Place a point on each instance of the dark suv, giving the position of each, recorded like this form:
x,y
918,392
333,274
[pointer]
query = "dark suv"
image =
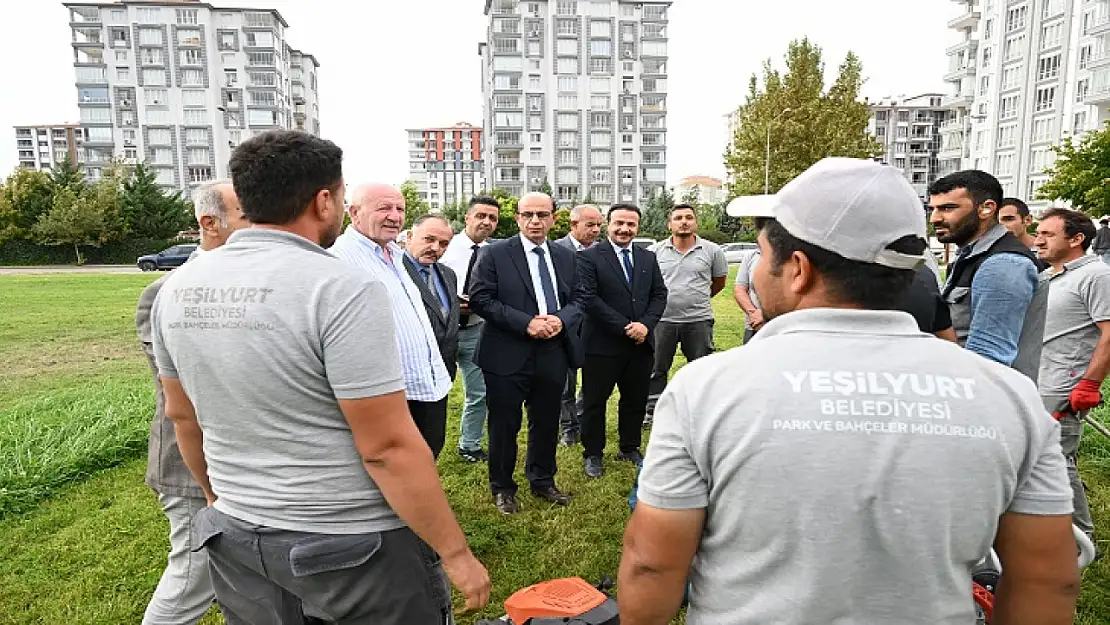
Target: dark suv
x,y
166,259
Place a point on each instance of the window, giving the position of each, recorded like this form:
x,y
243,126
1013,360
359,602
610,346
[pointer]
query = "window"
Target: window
x,y
1082,88
508,64
566,27
191,57
1046,99
159,136
261,58
601,47
1048,67
118,15
506,138
601,158
228,58
568,157
599,101
1004,165
1015,18
121,56
148,15
601,29
162,156
503,101
192,78
165,177
187,16
1015,48
1086,53
601,65
535,137
188,37
535,154
227,40
1042,129
1007,107
156,97
987,52
506,81
654,48
154,77
1041,159
200,174
567,66
195,117
128,136
988,30
655,31
601,140
258,117
568,83
261,79
655,84
196,156
655,12
567,120
568,101
512,120
151,56
99,135
567,47
1010,77
158,116
1052,8
123,74
506,26
601,120
568,139
566,7
1007,135
1079,123
1051,34
534,83
260,40
984,85
150,36
231,77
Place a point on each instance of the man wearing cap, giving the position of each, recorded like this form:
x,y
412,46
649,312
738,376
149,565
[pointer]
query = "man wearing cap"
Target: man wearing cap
x,y
694,270
1102,240
807,477
993,292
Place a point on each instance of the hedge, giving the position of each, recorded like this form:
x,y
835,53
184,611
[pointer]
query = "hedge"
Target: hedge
x,y
22,252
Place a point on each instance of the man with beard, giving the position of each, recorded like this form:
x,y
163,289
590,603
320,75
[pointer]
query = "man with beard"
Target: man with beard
x,y
369,243
694,270
624,298
786,479
1076,355
995,297
282,377
585,224
481,221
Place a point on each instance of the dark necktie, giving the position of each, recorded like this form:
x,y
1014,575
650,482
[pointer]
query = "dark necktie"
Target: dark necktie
x,y
627,255
545,282
430,280
470,268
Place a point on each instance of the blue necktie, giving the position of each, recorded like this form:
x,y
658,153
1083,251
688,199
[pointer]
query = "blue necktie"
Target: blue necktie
x,y
627,254
545,282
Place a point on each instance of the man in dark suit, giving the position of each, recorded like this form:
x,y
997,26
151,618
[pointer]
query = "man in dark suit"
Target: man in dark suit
x,y
624,297
437,283
585,225
527,292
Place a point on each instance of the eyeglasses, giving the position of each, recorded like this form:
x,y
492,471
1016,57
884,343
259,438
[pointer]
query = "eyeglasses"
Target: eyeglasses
x,y
531,216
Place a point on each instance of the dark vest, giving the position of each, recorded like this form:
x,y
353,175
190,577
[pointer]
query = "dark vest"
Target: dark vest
x,y
957,292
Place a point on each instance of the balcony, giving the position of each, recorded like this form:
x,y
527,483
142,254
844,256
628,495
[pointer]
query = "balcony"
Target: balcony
x,y
954,124
1099,59
968,44
951,153
84,16
960,72
967,21
88,37
1099,94
1100,25
963,100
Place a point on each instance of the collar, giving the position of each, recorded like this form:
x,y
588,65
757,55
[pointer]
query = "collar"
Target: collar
x,y
1085,259
529,246
578,245
618,248
669,242
464,237
394,249
842,321
253,236
417,262
989,238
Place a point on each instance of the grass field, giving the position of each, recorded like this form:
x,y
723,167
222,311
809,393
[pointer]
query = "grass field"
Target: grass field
x,y
82,540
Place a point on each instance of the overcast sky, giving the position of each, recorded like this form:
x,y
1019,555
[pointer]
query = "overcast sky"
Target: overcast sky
x,y
387,65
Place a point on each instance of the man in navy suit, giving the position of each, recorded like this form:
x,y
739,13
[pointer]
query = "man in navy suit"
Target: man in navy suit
x,y
527,292
625,297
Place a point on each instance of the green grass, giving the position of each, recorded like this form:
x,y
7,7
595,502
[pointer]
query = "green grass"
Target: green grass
x,y
92,552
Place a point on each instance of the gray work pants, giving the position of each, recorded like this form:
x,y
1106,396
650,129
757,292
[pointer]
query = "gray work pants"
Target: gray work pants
x,y
696,339
1071,430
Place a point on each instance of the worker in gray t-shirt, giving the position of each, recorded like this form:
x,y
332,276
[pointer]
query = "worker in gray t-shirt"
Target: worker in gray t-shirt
x,y
745,295
1076,354
845,467
281,373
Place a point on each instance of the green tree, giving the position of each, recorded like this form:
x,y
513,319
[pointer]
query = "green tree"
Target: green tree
x,y
146,211
415,205
73,220
66,175
562,224
25,196
1081,174
545,187
806,121
506,221
455,214
654,221
693,196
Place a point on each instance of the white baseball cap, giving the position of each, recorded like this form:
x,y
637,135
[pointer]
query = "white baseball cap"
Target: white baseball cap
x,y
751,206
854,208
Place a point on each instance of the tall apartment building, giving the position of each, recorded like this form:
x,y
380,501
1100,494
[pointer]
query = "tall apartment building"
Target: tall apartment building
x,y
43,147
909,131
576,94
178,84
1026,75
446,163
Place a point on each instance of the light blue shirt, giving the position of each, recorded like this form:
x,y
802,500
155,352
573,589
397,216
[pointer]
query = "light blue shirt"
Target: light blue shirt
x,y
425,374
546,308
1000,296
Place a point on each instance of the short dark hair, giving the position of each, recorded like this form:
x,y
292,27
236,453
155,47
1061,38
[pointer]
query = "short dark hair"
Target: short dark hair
x,y
1075,223
483,200
277,173
1022,207
426,216
632,208
682,207
871,286
980,185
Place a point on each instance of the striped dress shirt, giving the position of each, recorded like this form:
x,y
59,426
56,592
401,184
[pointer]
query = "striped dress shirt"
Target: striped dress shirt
x,y
426,377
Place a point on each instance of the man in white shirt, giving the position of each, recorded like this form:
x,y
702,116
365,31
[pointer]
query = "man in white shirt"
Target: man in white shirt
x,y
370,243
481,221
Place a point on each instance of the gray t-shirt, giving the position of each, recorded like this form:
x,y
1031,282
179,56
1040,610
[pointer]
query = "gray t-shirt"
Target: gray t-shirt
x,y
744,275
265,334
1078,298
852,468
689,278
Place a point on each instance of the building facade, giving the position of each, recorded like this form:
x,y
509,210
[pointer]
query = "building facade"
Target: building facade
x,y
178,85
446,163
1025,76
576,97
909,131
44,147
710,190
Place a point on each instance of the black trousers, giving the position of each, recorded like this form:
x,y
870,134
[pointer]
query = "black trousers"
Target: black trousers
x,y
539,384
570,418
431,420
630,372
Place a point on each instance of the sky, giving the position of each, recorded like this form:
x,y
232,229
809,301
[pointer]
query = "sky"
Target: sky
x,y
388,65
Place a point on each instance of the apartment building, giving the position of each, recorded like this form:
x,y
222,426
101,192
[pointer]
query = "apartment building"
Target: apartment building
x,y
909,130
446,163
710,190
1025,75
43,147
576,95
179,84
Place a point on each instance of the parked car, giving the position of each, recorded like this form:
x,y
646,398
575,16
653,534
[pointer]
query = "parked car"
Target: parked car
x,y
166,259
644,242
735,252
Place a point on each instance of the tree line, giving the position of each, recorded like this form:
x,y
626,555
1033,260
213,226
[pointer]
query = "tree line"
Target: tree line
x,y
125,209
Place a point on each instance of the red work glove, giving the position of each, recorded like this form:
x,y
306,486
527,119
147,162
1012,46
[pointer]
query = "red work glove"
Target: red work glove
x,y
1085,396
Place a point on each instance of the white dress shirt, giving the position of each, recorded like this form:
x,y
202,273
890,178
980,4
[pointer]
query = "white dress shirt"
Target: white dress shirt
x,y
457,257
546,308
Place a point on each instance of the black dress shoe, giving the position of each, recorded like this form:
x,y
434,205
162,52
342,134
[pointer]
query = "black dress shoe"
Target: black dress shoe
x,y
633,456
551,494
594,468
506,503
476,455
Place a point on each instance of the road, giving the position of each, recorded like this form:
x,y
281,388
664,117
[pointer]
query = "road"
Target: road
x,y
38,269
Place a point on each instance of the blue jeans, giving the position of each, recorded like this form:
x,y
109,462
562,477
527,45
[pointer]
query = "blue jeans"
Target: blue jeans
x,y
474,408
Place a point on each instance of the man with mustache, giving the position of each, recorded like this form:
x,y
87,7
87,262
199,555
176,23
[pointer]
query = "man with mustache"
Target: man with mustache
x,y
481,221
370,243
996,299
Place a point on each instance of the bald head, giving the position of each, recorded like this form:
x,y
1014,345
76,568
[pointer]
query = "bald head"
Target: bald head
x,y
585,223
378,212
